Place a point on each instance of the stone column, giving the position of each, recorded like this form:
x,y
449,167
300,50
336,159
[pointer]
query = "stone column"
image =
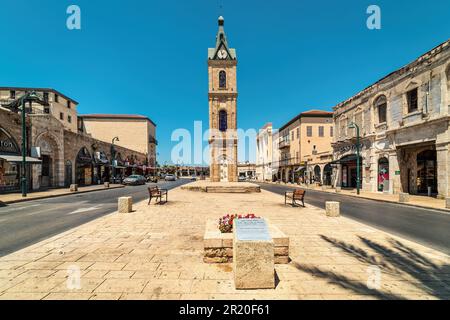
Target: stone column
x,y
394,180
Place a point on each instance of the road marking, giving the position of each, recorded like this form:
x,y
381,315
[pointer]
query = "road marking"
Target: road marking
x,y
19,208
84,210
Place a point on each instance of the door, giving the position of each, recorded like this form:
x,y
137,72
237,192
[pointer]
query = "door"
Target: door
x,y
427,171
224,170
46,171
68,174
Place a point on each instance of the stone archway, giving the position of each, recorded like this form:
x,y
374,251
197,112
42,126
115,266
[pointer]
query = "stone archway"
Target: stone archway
x,y
50,174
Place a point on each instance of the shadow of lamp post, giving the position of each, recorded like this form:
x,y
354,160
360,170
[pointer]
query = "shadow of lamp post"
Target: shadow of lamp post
x,y
358,173
30,97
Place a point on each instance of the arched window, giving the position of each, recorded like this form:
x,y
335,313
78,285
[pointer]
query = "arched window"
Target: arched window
x,y
222,79
381,106
223,121
383,173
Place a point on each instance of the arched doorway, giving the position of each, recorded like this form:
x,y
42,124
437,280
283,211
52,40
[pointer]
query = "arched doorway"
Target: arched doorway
x,y
427,171
223,169
52,165
317,174
383,174
327,174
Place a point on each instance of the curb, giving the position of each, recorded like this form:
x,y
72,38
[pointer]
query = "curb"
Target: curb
x,y
442,210
56,195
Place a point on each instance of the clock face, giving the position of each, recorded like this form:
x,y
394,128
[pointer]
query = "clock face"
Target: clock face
x,y
222,54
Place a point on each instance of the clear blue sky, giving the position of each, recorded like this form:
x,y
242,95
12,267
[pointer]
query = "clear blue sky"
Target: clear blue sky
x,y
149,57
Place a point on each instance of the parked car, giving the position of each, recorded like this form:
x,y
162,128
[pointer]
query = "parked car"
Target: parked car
x,y
242,179
152,179
135,180
170,177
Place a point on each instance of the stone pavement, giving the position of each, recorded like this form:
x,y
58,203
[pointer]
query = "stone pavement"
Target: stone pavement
x,y
51,193
156,252
419,201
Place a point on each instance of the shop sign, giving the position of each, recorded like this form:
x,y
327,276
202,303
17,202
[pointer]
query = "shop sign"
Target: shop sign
x,y
7,144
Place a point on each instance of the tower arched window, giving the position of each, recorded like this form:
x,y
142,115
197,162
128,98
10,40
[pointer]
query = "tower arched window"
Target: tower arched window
x,y
381,106
222,79
223,121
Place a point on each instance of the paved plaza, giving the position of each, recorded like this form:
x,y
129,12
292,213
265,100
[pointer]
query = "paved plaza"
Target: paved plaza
x,y
156,252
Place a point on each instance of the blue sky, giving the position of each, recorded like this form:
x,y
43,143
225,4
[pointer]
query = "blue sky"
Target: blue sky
x,y
149,57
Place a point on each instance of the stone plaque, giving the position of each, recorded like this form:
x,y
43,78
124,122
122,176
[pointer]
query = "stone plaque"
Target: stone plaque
x,y
252,230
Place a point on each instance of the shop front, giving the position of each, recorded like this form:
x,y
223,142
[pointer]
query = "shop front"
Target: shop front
x,y
83,168
11,163
102,166
347,166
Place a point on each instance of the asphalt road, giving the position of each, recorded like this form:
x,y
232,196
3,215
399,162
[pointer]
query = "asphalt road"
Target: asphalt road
x,y
23,224
426,226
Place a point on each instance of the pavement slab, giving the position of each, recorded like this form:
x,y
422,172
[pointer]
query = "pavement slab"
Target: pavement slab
x,y
156,252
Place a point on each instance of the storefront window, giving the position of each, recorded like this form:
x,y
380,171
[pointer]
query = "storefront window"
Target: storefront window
x,y
9,176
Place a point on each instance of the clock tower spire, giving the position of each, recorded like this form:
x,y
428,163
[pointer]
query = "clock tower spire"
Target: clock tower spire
x,y
222,65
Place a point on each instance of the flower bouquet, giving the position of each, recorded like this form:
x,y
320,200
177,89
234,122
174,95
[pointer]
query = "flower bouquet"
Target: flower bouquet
x,y
226,223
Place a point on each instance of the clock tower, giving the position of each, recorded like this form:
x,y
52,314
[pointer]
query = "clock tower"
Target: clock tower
x,y
222,63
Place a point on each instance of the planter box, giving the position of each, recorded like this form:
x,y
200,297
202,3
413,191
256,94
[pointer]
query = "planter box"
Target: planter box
x,y
219,246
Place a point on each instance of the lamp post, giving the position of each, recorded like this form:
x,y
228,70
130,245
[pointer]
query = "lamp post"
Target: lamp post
x,y
358,180
27,97
114,158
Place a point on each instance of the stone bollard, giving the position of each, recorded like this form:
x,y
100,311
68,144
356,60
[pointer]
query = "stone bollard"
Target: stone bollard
x,y
125,204
73,188
338,189
333,209
447,203
403,197
106,185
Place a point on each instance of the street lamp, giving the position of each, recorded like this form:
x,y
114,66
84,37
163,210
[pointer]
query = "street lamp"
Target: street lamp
x,y
27,97
358,181
114,157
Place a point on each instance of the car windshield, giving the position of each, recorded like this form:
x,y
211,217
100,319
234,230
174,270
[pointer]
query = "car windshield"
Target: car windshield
x,y
133,177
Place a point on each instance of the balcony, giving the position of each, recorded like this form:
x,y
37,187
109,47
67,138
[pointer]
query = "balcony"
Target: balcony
x,y
284,143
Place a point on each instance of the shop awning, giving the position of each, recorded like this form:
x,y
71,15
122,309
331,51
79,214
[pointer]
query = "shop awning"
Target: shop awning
x,y
346,159
299,169
17,159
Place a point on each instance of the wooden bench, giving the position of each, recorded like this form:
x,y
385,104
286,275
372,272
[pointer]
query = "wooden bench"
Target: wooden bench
x,y
297,195
155,192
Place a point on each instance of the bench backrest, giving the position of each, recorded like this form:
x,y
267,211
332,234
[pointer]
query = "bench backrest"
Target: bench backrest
x,y
152,190
299,193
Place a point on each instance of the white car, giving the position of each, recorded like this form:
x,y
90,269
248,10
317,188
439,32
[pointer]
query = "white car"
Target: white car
x,y
170,177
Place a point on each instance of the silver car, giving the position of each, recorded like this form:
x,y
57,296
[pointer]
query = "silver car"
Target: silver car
x,y
170,177
135,180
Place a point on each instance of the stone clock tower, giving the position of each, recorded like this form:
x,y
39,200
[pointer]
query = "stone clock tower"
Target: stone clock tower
x,y
223,94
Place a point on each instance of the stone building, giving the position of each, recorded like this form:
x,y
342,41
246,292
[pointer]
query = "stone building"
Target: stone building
x,y
134,132
264,153
247,170
404,129
61,107
55,153
222,64
305,147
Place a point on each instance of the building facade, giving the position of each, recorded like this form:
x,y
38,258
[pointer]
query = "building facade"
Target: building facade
x,y
403,121
134,132
305,147
264,153
222,64
61,107
57,156
247,170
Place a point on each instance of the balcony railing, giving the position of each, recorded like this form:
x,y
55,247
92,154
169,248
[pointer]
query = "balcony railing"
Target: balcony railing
x,y
284,143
